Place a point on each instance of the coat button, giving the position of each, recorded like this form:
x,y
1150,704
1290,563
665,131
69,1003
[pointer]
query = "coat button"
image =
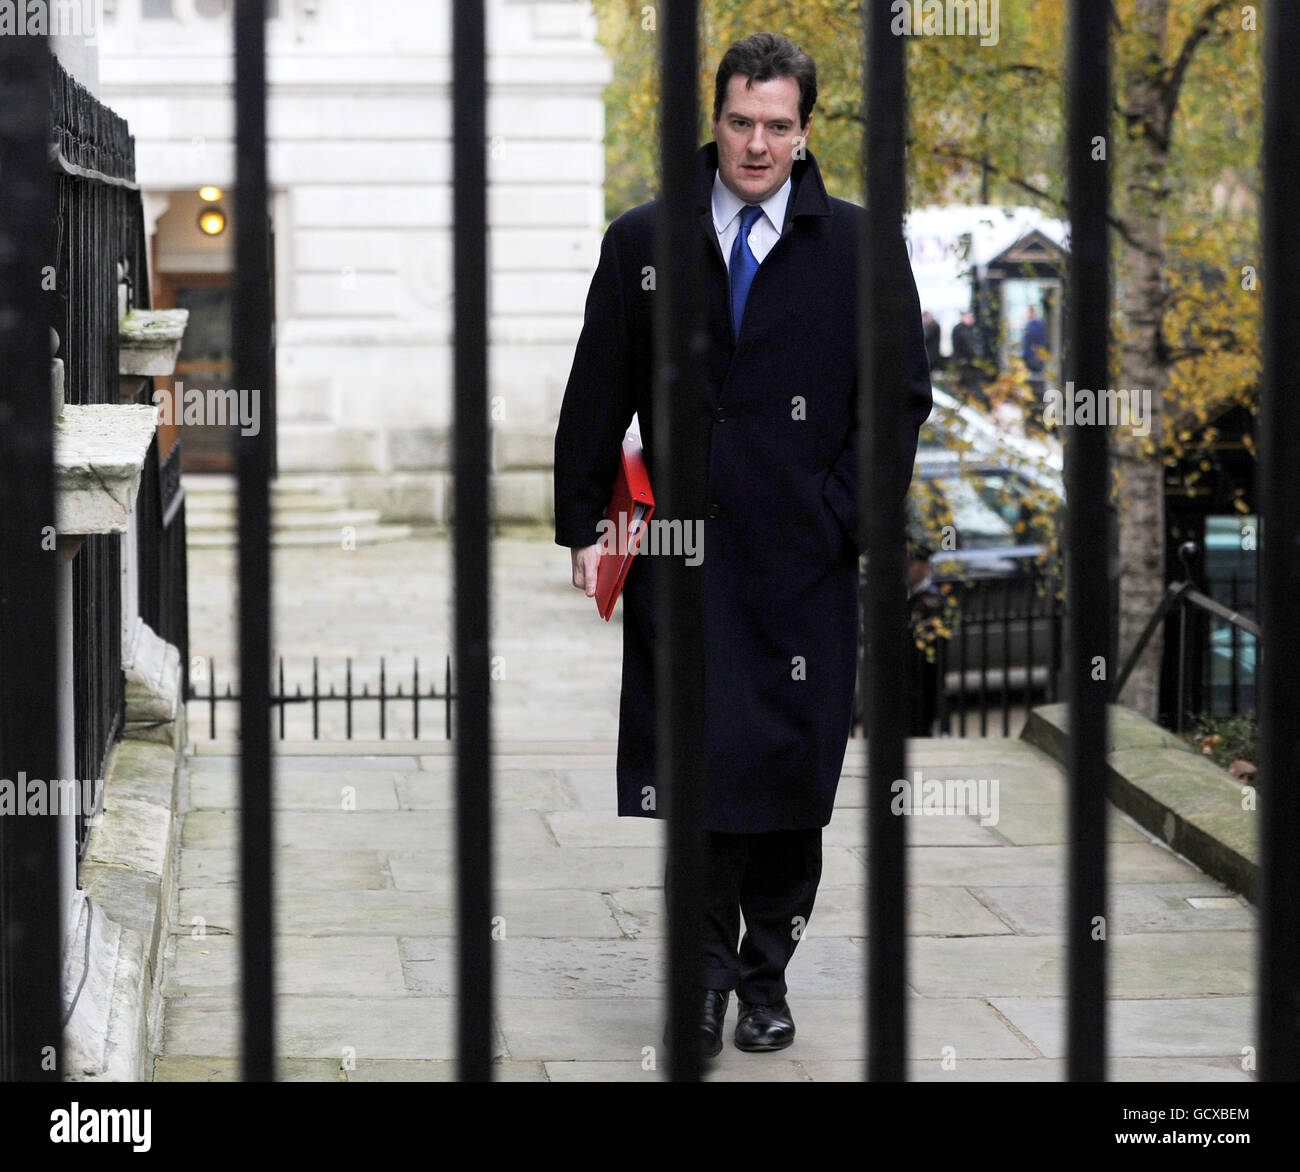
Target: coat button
x,y
719,414
714,509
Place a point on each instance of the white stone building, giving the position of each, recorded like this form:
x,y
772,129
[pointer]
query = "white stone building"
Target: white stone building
x,y
360,168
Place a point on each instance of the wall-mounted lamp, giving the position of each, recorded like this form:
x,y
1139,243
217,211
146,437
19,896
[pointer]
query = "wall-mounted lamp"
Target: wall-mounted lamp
x,y
209,194
212,221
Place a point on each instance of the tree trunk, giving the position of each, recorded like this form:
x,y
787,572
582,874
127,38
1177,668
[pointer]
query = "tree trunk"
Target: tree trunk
x,y
1140,197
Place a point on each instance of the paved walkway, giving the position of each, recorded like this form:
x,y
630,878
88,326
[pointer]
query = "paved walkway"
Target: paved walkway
x,y
366,905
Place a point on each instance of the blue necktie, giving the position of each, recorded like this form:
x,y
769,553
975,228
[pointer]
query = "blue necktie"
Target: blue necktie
x,y
743,265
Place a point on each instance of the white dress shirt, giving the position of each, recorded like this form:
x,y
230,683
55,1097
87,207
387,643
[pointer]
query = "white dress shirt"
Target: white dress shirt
x,y
727,206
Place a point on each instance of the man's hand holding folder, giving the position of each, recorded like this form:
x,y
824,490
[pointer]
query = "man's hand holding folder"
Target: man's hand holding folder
x,y
601,569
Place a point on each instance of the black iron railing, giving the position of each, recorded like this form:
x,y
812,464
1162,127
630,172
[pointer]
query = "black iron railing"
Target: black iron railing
x,y
1197,653
98,245
387,700
160,552
1004,654
984,652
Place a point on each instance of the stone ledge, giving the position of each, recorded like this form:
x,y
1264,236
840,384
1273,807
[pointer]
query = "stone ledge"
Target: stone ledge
x,y
1170,790
149,340
129,874
99,452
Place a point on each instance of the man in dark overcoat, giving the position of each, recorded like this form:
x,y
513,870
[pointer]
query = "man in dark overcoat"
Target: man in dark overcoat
x,y
775,397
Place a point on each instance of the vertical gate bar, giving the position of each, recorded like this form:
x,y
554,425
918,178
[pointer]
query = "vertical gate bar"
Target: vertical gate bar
x,y
31,899
1031,591
383,700
985,619
1234,636
315,695
446,701
348,696
1005,589
281,695
1278,683
678,463
415,699
963,626
1088,103
251,343
470,549
881,329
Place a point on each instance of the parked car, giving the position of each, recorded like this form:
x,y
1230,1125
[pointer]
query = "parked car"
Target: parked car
x,y
987,522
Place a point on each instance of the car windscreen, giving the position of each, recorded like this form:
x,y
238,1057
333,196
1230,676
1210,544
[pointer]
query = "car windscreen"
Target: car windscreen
x,y
971,510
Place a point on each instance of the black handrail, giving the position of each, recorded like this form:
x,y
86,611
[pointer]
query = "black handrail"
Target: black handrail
x,y
1182,595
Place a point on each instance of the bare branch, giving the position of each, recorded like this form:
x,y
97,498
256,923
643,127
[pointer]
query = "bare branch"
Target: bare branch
x,y
1203,28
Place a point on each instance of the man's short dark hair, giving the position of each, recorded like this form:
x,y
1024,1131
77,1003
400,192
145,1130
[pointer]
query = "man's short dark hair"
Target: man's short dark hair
x,y
765,56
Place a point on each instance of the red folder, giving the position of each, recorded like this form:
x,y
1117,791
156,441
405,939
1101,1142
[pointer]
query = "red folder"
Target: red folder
x,y
631,505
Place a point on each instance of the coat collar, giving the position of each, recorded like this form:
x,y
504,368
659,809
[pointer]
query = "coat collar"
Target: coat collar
x,y
808,197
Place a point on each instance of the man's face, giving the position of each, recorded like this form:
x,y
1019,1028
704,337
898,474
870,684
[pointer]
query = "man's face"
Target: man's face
x,y
757,132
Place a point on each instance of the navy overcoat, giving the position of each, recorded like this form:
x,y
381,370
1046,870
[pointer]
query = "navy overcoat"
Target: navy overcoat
x,y
777,413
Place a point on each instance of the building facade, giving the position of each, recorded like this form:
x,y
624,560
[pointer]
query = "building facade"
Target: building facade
x,y
360,166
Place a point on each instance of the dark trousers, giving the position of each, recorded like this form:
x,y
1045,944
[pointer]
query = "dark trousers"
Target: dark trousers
x,y
771,879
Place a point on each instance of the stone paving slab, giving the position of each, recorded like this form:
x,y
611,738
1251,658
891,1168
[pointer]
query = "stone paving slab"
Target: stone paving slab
x,y
1037,866
1040,911
1157,1028
294,868
614,1029
326,965
1178,964
343,830
191,1069
410,1028
841,911
389,912
1170,1070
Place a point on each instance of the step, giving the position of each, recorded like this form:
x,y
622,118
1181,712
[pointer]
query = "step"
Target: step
x,y
365,535
200,520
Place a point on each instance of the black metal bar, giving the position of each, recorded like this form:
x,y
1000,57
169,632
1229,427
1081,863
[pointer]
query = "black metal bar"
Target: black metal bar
x,y
383,700
1234,650
315,696
31,895
251,347
1278,681
415,700
212,699
1182,669
348,697
1031,593
881,332
280,684
983,596
470,549
1088,103
1056,612
678,475
1006,589
962,627
447,697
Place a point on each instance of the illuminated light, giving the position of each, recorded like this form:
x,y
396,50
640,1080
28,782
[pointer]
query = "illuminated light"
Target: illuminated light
x,y
210,194
212,221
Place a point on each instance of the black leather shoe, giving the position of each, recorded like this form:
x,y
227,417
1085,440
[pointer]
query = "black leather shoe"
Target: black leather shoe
x,y
715,1012
764,1027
